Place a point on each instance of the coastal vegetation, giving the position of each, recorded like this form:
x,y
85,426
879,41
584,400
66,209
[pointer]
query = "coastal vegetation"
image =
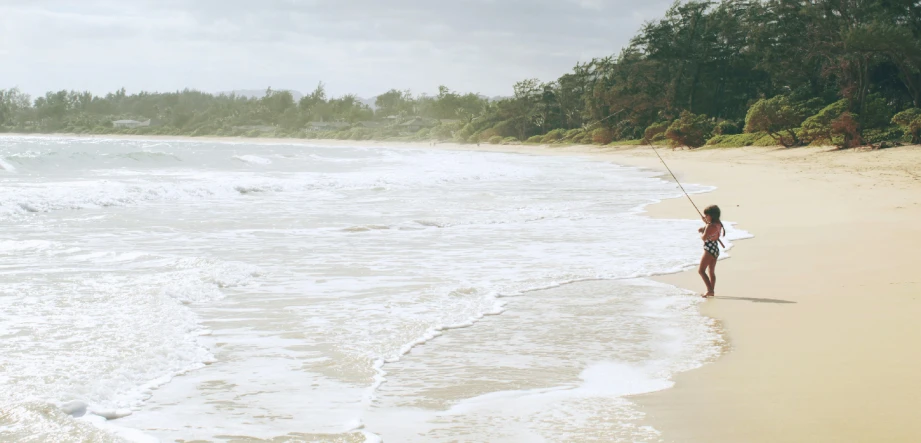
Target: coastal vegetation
x,y
730,73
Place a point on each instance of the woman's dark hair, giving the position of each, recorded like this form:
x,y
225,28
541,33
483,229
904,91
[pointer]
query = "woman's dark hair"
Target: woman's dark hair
x,y
714,212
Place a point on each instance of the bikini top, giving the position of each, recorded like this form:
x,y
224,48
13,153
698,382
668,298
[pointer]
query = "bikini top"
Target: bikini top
x,y
717,236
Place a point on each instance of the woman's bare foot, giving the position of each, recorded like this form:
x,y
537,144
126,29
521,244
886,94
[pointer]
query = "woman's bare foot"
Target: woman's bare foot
x,y
709,294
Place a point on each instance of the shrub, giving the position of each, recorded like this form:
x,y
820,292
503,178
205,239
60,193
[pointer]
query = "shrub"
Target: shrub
x,y
587,139
357,134
574,134
422,134
475,138
495,140
778,116
602,136
878,136
654,131
818,128
726,127
442,132
739,140
689,130
876,113
463,135
488,134
623,129
535,139
253,133
910,122
505,129
553,136
511,141
846,130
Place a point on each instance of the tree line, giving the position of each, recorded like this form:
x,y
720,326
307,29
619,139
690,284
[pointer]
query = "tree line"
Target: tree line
x,y
735,72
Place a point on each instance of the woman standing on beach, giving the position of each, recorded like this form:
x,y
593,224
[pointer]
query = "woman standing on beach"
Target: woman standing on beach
x,y
710,234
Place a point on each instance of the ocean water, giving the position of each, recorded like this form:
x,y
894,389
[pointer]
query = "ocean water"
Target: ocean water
x,y
180,291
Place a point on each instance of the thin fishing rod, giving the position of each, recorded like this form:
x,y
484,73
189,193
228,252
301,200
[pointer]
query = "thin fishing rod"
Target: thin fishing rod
x,y
676,180
682,188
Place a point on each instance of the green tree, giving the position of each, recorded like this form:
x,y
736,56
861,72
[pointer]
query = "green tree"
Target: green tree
x,y
314,102
278,101
819,127
14,107
778,116
395,103
910,121
654,132
714,58
689,130
602,136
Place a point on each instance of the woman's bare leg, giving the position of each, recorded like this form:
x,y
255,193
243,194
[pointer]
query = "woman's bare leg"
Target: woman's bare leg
x,y
702,270
713,275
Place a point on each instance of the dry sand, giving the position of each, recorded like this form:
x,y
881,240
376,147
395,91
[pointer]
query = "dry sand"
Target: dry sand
x,y
822,309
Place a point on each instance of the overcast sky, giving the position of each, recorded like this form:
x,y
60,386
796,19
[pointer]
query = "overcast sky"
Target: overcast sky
x,y
354,46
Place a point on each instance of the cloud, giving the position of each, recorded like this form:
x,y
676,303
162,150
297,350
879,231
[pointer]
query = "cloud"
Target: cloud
x,y
361,46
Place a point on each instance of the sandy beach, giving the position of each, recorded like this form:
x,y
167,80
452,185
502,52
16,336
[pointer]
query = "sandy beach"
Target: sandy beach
x,y
820,309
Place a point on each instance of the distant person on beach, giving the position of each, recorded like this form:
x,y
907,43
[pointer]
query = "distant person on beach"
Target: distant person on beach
x,y
710,234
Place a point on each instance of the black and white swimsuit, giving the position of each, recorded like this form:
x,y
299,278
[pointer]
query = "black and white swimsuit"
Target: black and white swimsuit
x,y
713,248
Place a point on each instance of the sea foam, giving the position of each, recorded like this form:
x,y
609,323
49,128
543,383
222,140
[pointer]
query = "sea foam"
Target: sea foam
x,y
396,294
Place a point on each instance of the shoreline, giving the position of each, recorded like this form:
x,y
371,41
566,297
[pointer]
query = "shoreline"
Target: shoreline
x,y
817,354
820,308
